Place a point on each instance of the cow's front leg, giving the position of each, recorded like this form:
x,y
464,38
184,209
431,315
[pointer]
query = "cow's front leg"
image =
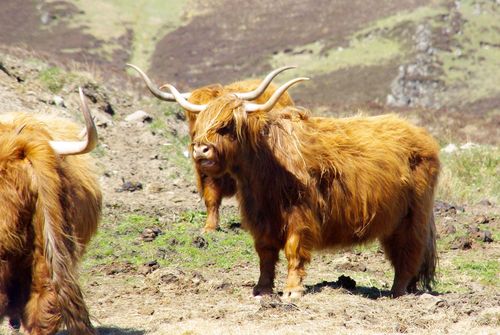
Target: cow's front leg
x,y
5,274
268,256
302,235
297,257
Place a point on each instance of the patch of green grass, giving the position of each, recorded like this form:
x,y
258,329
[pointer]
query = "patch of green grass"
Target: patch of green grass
x,y
455,274
180,243
53,78
176,144
149,21
417,15
360,52
483,270
472,67
470,175
375,44
457,270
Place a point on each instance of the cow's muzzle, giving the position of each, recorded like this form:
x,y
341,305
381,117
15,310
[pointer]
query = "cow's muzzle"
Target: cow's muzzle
x,y
202,152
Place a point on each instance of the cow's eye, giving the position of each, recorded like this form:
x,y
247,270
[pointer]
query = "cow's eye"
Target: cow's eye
x,y
226,130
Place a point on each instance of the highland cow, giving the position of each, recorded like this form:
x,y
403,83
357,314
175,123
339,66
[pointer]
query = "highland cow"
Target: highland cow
x,y
307,183
50,204
213,189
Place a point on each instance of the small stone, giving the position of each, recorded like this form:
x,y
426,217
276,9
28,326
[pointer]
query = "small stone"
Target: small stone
x,y
129,186
485,236
449,229
157,230
58,101
200,242
45,17
148,267
473,230
468,145
169,278
401,328
154,188
108,109
139,116
102,120
485,202
153,264
481,219
148,235
430,301
450,148
146,310
462,243
223,285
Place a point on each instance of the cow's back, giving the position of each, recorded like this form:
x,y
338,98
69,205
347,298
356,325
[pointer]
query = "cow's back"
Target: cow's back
x,y
81,196
366,173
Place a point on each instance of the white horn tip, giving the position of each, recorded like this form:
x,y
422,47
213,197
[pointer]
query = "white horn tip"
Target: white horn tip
x,y
133,67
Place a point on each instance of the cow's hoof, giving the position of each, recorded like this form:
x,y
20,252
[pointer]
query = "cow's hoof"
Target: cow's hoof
x,y
259,291
15,323
293,294
208,229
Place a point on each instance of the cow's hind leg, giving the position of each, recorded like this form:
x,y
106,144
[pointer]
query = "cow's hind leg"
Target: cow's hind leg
x,y
213,190
41,314
405,248
15,323
213,198
4,301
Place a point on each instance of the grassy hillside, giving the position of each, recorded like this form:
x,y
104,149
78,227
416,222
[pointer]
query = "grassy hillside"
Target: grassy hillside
x,y
146,21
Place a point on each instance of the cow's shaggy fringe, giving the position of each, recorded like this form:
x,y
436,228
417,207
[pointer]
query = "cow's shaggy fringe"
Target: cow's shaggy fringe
x,y
212,189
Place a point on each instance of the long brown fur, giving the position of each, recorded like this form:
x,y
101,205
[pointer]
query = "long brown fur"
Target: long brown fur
x,y
213,190
50,209
307,183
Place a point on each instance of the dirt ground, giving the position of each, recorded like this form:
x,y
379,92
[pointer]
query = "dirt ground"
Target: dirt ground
x,y
127,300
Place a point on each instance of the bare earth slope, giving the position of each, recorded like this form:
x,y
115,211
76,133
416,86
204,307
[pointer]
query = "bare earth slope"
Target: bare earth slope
x,y
439,55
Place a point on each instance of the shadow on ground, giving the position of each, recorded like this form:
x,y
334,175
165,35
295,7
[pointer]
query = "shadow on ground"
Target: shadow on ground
x,y
350,285
112,331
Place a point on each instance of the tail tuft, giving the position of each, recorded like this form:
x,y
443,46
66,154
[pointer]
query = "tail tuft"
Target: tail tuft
x,y
426,276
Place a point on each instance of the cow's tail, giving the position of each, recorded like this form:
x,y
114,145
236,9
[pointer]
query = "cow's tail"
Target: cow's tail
x,y
59,248
427,273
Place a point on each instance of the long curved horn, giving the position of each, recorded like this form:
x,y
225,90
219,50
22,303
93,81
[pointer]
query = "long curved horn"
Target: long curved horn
x,y
251,107
79,147
263,85
194,108
156,91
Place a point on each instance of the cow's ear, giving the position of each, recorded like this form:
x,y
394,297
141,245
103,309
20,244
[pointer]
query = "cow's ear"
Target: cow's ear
x,y
286,149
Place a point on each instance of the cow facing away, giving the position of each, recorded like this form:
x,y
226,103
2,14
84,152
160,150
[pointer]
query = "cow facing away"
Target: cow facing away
x,y
213,189
307,183
50,203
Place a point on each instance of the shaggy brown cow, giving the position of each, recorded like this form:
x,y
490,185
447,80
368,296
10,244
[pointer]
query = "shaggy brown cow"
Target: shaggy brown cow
x,y
50,204
317,183
213,189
